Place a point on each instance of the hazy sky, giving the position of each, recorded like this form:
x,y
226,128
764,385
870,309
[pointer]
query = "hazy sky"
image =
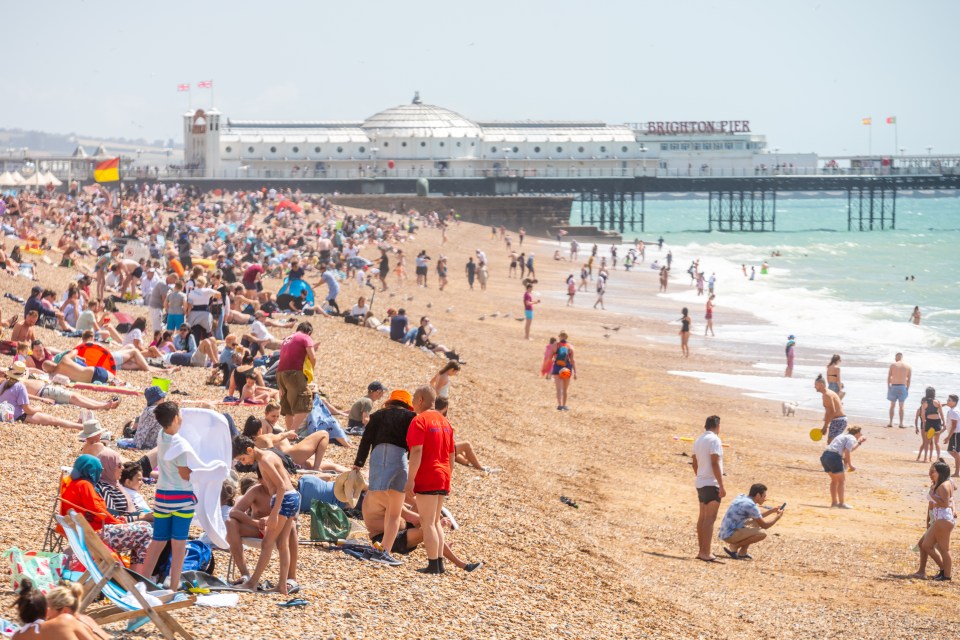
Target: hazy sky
x,y
803,73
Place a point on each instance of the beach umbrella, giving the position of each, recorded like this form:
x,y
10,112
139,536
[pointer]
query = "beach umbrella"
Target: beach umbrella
x,y
34,180
6,180
49,178
287,204
17,178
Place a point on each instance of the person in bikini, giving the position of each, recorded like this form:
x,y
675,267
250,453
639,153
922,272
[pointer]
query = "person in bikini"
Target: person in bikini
x,y
833,376
834,419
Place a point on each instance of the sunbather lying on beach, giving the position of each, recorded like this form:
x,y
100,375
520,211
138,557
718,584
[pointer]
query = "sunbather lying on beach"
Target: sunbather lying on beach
x,y
55,394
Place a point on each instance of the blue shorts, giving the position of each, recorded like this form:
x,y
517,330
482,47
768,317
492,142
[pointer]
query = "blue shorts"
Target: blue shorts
x,y
174,321
837,427
528,314
832,462
897,393
388,468
100,375
290,506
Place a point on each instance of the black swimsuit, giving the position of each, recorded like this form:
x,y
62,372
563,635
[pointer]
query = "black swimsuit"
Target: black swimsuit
x,y
685,325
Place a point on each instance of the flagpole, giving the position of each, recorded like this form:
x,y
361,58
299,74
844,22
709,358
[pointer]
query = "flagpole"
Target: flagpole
x,y
896,136
870,138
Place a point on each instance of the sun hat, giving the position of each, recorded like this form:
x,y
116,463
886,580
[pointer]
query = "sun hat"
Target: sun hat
x,y
791,337
18,371
376,385
153,395
348,486
402,396
91,428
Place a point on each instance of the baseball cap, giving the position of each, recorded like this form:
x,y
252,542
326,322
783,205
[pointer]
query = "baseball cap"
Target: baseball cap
x,y
376,386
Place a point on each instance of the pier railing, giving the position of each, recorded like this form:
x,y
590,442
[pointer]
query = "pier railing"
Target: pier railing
x,y
244,173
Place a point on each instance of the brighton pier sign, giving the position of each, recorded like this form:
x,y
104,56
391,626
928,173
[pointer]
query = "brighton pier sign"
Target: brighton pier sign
x,y
698,126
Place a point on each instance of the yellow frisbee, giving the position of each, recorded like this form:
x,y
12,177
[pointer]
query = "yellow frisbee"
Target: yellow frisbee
x,y
930,433
816,435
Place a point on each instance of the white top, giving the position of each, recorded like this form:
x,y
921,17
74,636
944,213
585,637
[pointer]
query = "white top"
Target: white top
x,y
705,446
845,442
953,415
259,331
133,334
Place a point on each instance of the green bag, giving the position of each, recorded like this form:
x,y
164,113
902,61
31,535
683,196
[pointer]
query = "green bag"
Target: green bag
x,y
328,522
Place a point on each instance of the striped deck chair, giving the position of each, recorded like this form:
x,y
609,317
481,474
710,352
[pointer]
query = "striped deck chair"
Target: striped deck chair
x,y
107,576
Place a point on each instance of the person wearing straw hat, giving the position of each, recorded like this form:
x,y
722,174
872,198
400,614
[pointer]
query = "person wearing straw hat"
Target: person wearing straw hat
x,y
386,435
15,401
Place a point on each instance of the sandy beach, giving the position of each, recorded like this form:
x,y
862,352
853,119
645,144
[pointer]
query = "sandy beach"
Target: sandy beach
x,y
621,565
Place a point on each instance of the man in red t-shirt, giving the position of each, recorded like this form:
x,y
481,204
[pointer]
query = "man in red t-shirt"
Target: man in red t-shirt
x,y
295,399
432,452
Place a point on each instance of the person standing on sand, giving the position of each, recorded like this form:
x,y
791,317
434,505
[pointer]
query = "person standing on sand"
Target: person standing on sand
x,y
952,439
528,303
601,289
709,316
564,368
833,375
685,333
571,290
836,458
790,351
931,412
898,386
834,418
708,468
547,358
941,520
471,272
915,316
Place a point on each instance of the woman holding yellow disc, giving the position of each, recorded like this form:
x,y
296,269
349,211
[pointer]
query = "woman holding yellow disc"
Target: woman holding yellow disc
x,y
930,415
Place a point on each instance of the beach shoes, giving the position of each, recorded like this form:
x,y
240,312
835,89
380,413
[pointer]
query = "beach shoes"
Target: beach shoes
x,y
385,558
473,566
941,578
844,505
744,556
492,470
732,554
567,501
453,521
292,587
559,408
296,602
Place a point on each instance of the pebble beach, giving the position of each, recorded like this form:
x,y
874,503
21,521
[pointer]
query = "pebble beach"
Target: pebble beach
x,y
620,565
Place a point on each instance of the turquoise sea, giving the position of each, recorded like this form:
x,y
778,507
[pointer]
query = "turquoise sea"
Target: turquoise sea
x,y
837,291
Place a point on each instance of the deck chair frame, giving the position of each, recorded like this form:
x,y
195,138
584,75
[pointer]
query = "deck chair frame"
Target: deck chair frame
x,y
52,540
107,576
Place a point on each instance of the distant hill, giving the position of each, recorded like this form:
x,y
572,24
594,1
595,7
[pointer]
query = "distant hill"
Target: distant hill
x,y
65,143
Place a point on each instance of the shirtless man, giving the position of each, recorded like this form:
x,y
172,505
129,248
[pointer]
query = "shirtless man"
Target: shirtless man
x,y
248,519
24,330
55,394
101,268
284,506
80,373
131,270
834,418
898,386
306,453
374,511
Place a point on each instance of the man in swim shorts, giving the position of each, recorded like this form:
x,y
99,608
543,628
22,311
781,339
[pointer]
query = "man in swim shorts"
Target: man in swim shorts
x,y
898,386
834,419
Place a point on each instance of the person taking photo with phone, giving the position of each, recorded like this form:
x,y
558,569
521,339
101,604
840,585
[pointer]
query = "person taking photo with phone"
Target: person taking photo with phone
x,y
745,522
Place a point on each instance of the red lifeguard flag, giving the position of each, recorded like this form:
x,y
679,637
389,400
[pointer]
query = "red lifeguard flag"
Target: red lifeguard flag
x,y
183,87
866,121
205,84
107,171
891,119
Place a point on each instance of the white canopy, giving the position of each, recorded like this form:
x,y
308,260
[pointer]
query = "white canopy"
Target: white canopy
x,y
6,180
34,180
17,178
49,178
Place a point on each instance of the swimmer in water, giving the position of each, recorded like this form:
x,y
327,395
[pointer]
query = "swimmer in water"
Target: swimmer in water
x,y
915,316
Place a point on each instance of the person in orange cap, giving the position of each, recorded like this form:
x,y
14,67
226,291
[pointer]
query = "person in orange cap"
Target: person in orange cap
x,y
386,435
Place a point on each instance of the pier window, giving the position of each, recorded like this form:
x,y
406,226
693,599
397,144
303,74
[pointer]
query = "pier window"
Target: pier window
x,y
580,149
728,145
559,149
697,146
536,149
664,146
316,149
441,143
249,149
674,146
339,149
458,143
296,149
386,144
363,149
623,149
423,144
685,146
603,149
273,149
493,149
228,149
403,144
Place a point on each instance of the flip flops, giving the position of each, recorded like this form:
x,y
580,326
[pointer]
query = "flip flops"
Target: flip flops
x,y
296,602
732,554
567,501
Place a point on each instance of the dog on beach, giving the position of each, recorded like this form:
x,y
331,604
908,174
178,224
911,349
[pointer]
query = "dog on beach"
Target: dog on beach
x,y
789,408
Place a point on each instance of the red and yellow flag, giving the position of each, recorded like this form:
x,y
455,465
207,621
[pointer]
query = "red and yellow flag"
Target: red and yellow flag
x,y
891,119
107,171
866,121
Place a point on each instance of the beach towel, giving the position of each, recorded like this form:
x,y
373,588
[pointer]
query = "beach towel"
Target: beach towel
x,y
205,439
319,419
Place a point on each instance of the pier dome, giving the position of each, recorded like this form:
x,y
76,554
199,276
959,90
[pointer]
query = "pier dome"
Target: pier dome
x,y
418,120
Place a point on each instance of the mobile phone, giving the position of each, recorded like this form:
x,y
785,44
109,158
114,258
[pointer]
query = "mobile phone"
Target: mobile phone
x,y
783,506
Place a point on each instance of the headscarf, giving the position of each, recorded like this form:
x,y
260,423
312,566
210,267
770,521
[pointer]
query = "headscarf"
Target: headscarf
x,y
111,461
87,468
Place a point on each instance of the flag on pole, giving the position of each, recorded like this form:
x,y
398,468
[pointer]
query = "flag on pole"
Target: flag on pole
x,y
866,121
183,87
891,119
107,171
205,84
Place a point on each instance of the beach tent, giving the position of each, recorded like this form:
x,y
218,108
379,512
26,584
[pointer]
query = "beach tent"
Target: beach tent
x,y
291,289
6,180
49,178
17,178
96,356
